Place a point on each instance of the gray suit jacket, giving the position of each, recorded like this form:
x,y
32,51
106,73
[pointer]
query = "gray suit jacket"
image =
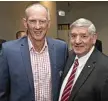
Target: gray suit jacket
x,y
92,83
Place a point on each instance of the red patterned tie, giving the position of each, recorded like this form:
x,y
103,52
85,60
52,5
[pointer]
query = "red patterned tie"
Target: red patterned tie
x,y
67,90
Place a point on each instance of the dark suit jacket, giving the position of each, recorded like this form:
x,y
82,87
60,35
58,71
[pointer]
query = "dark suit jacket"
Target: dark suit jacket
x,y
16,79
92,83
98,45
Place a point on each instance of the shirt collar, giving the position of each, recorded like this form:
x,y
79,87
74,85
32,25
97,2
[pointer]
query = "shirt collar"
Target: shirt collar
x,y
31,47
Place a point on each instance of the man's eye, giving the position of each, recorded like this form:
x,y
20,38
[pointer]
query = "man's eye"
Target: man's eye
x,y
73,36
32,20
42,21
84,36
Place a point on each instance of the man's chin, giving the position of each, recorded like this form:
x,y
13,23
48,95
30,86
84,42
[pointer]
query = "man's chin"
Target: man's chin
x,y
39,38
78,52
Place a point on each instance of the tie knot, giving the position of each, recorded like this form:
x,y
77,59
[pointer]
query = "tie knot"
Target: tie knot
x,y
76,62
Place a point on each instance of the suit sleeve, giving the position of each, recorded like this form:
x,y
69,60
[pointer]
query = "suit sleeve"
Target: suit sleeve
x,y
104,94
4,80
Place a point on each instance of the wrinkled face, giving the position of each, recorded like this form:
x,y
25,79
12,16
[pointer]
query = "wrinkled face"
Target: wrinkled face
x,y
37,23
81,40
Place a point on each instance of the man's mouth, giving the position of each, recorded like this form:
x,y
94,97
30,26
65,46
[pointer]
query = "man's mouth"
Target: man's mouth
x,y
78,46
38,32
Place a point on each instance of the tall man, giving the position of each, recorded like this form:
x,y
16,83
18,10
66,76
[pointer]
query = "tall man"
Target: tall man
x,y
31,67
85,77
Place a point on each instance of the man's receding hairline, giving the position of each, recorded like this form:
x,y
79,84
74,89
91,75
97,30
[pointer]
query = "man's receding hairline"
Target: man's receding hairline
x,y
36,5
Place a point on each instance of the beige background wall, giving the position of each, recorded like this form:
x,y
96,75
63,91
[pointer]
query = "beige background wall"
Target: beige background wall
x,y
11,14
94,11
52,8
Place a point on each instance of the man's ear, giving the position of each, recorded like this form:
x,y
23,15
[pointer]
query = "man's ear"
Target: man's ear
x,y
25,22
49,23
94,38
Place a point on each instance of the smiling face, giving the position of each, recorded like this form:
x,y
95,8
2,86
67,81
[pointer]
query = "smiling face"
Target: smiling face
x,y
37,23
81,40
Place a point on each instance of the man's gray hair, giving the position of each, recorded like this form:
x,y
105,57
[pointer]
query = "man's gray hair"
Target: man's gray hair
x,y
82,22
38,5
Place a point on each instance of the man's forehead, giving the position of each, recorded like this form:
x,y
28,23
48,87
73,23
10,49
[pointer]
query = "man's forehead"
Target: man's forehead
x,y
36,8
37,11
84,29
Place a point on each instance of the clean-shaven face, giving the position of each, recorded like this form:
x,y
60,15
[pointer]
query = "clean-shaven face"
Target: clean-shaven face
x,y
37,23
81,40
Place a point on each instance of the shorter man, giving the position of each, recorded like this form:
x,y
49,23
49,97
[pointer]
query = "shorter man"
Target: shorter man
x,y
20,34
85,76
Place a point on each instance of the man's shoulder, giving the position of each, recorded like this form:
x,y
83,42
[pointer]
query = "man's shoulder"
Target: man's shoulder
x,y
103,56
100,57
56,41
13,43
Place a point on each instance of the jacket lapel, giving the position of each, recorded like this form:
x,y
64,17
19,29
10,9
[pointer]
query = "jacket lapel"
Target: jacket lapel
x,y
27,63
87,70
52,55
85,73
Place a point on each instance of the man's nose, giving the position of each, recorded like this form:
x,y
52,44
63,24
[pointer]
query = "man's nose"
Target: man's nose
x,y
37,25
78,39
